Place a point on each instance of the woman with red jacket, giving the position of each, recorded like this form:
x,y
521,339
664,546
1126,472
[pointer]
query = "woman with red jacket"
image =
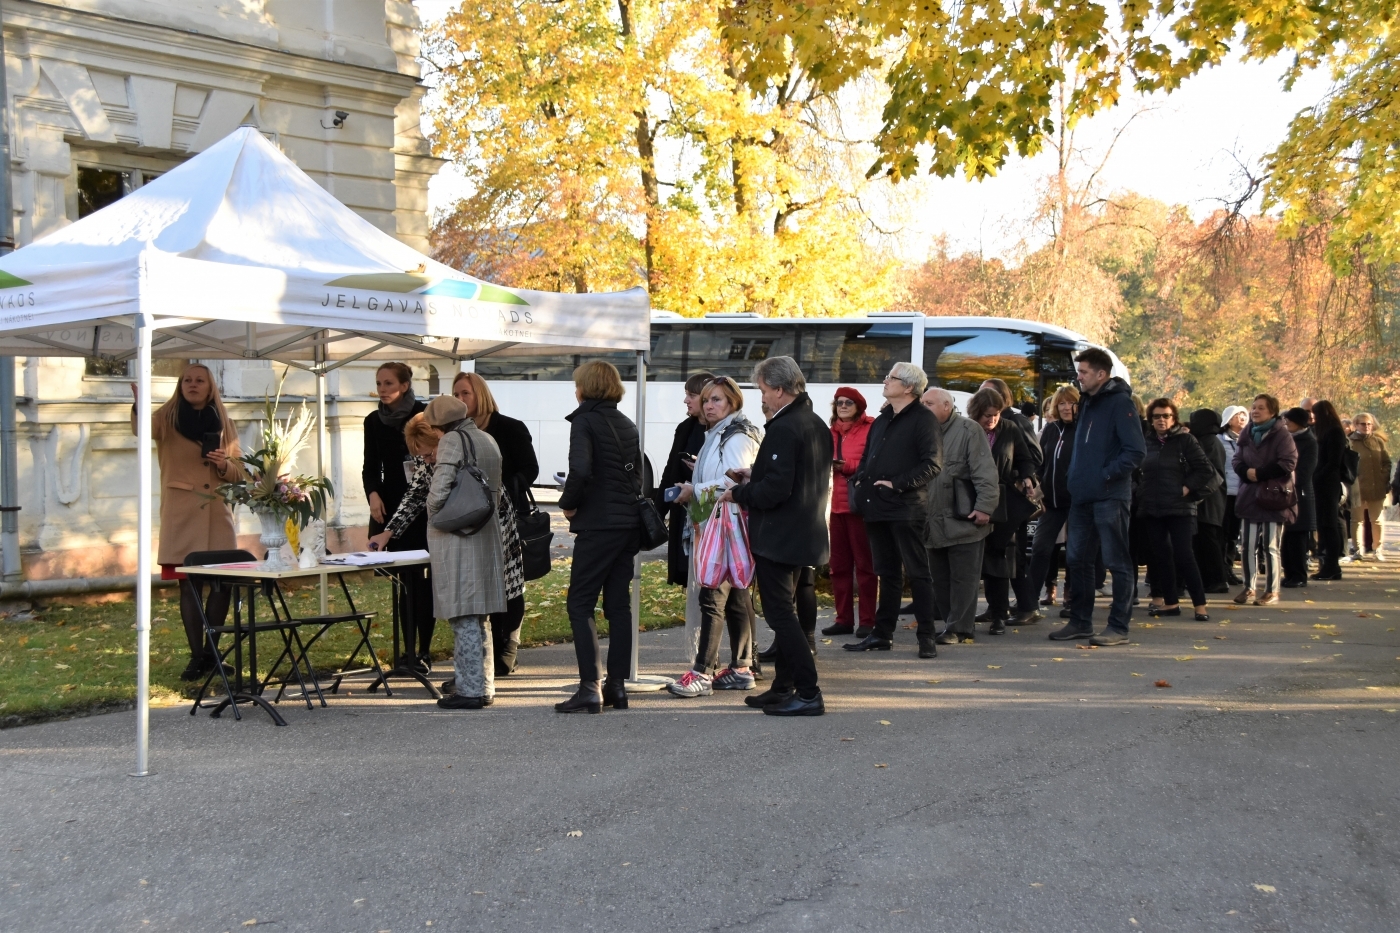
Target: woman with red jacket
x,y
850,549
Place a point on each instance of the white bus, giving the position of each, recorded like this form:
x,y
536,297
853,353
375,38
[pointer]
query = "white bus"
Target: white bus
x,y
958,353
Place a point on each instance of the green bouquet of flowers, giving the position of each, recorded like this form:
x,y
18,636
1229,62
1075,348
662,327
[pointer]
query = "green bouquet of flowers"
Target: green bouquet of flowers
x,y
270,488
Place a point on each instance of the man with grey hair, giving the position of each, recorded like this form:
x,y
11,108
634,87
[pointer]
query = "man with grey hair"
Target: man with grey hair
x,y
786,494
888,491
961,500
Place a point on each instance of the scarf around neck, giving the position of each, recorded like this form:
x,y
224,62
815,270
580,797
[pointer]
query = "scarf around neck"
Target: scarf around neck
x,y
1257,431
194,423
397,414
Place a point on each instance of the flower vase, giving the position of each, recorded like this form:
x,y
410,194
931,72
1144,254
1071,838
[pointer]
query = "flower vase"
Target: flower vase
x,y
274,536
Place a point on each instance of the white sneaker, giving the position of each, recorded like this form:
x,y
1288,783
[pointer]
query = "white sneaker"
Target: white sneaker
x,y
1346,560
692,684
1379,555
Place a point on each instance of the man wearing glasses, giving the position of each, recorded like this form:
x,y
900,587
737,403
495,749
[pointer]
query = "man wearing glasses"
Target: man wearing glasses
x,y
1108,447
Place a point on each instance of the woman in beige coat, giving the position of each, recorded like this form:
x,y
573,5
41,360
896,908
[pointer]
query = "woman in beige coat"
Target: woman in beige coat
x,y
469,577
197,449
1372,485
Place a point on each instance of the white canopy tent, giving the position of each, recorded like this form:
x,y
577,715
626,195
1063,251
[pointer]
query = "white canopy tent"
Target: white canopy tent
x,y
237,254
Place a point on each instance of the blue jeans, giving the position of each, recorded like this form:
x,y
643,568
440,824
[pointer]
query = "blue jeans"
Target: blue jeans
x,y
1094,528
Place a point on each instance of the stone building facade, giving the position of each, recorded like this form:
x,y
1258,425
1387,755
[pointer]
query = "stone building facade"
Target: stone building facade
x,y
104,96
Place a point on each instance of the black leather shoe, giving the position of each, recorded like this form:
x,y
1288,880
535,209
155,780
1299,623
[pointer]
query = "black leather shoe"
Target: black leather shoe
x,y
928,648
1027,618
770,653
953,638
997,627
1218,588
449,685
870,643
767,698
614,694
1294,584
796,706
1158,612
1068,633
1327,576
839,629
1234,579
581,702
982,619
456,702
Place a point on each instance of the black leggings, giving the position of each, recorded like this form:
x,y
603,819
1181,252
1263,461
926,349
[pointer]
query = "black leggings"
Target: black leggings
x,y
1173,559
417,594
805,598
505,634
216,601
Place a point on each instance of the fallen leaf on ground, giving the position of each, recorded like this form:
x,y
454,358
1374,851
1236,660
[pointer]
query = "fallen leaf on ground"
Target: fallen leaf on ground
x,y
933,681
1061,659
846,738
993,667
1037,884
1163,684
575,833
1085,648
1147,625
1363,615
881,765
1368,688
1266,888
1308,601
251,923
912,626
61,667
1136,674
884,722
826,641
1186,657
1220,638
1200,647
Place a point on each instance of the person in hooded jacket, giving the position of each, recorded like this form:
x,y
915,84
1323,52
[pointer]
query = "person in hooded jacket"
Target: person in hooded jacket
x,y
901,455
1209,541
1327,489
852,567
1108,447
1266,459
1297,535
1175,474
1056,445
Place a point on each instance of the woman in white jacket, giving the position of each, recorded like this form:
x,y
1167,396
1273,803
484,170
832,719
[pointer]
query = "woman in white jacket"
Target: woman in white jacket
x,y
731,443
1232,422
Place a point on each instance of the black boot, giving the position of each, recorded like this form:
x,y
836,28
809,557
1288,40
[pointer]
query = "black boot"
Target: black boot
x,y
614,694
586,700
927,648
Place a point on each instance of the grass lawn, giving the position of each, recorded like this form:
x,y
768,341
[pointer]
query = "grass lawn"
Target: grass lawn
x,y
76,658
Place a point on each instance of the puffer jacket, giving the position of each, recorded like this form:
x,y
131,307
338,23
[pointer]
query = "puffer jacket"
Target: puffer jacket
x,y
848,441
1275,457
904,449
1231,443
967,458
1170,464
1108,445
603,482
1056,446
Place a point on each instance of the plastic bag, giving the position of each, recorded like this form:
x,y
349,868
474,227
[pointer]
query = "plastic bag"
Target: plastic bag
x,y
710,564
738,559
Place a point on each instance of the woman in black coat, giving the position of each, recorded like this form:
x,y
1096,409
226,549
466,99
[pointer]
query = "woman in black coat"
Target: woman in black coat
x,y
1056,445
386,470
1209,541
1327,489
519,470
1015,471
1175,474
600,502
680,463
1297,535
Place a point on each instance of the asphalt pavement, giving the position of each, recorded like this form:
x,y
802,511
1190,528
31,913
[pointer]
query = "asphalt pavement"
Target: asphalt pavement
x,y
1014,784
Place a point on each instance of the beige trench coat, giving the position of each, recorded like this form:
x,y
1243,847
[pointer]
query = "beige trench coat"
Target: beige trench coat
x,y
469,574
189,519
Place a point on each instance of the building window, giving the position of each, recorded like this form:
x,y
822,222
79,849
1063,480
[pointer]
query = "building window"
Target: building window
x,y
99,187
123,369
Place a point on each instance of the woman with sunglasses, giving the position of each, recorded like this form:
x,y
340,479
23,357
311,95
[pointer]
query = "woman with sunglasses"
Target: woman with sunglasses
x,y
851,562
1176,474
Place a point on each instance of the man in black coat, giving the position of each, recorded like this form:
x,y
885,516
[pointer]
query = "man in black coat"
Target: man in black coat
x,y
1027,590
786,494
1297,535
903,453
689,438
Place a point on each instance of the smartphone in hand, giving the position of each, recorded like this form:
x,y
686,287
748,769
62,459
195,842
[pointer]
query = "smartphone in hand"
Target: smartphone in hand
x,y
210,442
671,494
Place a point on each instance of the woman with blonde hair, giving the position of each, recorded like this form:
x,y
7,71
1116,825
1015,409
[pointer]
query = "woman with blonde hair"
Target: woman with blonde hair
x,y
519,468
197,448
1056,445
1372,485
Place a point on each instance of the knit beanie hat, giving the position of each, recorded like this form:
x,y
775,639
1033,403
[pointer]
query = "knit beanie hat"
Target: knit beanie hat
x,y
1299,416
853,395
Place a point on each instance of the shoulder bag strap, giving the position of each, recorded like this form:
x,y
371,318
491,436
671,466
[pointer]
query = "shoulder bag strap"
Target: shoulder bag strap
x,y
629,467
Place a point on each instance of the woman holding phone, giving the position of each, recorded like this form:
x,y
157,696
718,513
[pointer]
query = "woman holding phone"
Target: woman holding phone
x,y
197,447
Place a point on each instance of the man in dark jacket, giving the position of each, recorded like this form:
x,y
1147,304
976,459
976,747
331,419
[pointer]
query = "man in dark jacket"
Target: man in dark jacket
x,y
1297,535
786,494
688,439
902,454
1108,447
1027,590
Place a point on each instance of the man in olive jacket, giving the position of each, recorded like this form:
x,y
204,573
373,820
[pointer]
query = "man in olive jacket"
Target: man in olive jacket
x,y
961,500
889,492
786,494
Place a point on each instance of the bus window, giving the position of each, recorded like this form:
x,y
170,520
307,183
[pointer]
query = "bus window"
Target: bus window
x,y
852,353
552,367
667,363
962,360
733,349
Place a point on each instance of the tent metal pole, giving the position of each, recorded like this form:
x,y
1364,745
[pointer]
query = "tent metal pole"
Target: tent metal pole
x,y
321,458
143,543
637,681
9,459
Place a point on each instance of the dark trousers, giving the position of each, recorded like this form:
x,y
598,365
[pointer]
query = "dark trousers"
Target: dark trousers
x,y
1099,529
1026,587
1295,553
898,550
1231,529
505,635
1210,556
805,599
733,605
1329,529
1173,558
1043,548
998,593
955,571
603,563
415,604
795,668
215,601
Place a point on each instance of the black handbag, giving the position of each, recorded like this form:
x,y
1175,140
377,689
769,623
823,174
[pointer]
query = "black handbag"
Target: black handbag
x,y
654,532
536,538
470,504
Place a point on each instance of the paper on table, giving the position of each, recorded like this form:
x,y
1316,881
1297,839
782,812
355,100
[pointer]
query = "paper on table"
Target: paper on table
x,y
363,558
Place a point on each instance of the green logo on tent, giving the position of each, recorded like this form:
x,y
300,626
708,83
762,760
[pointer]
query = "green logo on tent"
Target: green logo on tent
x,y
11,281
428,285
